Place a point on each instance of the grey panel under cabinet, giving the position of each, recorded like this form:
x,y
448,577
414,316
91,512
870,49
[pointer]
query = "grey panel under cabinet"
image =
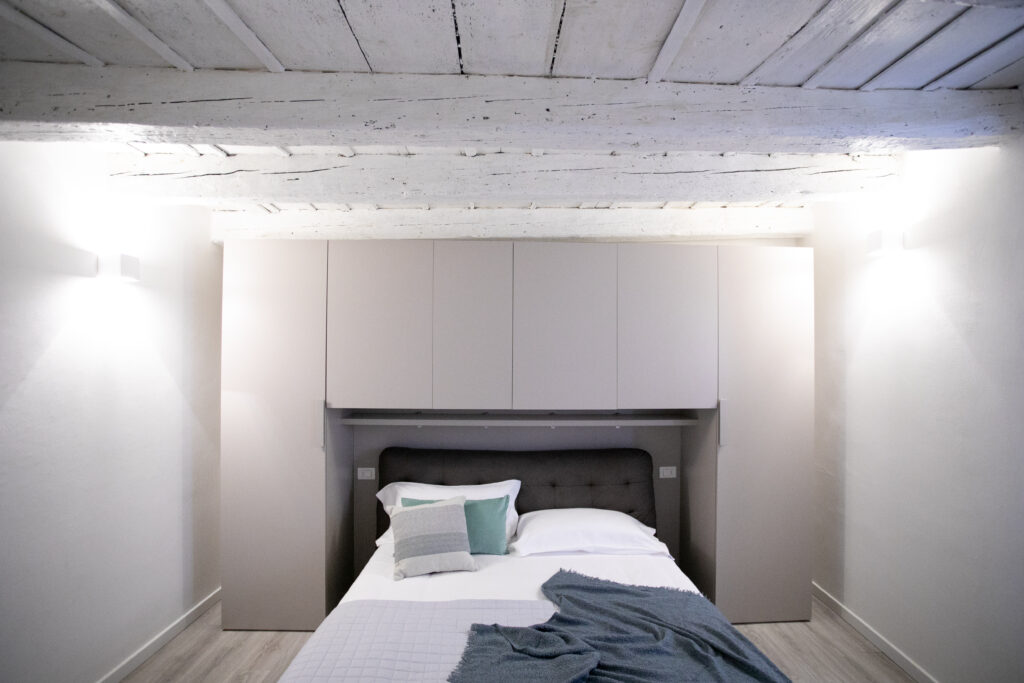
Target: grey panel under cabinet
x,y
766,385
273,560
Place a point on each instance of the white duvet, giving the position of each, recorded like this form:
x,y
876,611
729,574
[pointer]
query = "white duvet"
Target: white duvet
x,y
510,577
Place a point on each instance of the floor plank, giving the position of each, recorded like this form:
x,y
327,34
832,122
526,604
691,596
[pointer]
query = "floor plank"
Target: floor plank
x,y
824,649
203,652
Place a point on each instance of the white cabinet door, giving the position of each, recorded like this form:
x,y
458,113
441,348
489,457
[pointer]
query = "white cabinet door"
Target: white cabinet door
x,y
667,326
564,326
379,330
766,384
272,456
472,325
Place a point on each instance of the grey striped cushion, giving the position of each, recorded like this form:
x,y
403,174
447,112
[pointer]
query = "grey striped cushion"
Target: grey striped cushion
x,y
431,538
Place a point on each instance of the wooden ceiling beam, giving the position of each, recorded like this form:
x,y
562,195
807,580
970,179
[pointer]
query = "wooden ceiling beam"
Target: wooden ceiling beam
x,y
70,102
454,223
500,179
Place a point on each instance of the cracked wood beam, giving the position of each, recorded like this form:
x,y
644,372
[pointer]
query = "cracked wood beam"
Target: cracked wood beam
x,y
70,102
617,224
502,179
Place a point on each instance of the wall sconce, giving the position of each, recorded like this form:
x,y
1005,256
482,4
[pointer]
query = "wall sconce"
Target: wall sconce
x,y
122,266
130,268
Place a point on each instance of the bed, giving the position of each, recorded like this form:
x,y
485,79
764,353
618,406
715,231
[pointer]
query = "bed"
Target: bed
x,y
581,531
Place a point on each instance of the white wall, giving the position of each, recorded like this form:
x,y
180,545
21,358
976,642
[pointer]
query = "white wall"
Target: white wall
x,y
920,409
109,419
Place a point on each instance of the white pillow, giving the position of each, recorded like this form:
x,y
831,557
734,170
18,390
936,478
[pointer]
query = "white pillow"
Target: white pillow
x,y
391,497
588,530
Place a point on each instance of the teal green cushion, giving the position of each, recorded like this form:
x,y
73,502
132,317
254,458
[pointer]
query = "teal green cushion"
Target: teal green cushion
x,y
485,521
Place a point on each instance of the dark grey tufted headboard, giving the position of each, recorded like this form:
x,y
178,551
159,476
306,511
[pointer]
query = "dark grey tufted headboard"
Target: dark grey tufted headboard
x,y
611,478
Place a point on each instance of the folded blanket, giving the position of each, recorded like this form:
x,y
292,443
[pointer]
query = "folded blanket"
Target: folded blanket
x,y
608,631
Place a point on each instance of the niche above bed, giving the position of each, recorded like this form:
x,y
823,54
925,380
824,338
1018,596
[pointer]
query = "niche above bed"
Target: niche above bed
x,y
519,418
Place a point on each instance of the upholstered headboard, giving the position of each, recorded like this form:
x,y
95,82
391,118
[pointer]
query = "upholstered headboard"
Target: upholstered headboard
x,y
609,478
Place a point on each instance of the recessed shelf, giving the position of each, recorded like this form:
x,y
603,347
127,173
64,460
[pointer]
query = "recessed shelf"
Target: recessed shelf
x,y
440,418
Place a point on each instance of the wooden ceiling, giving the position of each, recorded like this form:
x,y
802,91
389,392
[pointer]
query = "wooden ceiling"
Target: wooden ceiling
x,y
315,113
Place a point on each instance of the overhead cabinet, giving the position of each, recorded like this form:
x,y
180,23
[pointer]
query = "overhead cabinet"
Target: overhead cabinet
x,y
564,328
667,326
472,325
380,324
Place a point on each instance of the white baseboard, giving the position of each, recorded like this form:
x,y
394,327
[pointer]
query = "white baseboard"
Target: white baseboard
x,y
159,640
877,639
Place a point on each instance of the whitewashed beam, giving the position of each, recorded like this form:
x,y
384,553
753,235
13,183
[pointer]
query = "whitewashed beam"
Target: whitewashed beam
x,y
501,179
70,102
610,224
143,34
38,30
984,3
685,21
997,57
245,34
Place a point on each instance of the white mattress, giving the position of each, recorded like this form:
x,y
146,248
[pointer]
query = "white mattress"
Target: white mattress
x,y
510,577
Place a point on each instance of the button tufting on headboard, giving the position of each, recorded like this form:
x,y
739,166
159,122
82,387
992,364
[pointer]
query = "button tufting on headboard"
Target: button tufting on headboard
x,y
614,478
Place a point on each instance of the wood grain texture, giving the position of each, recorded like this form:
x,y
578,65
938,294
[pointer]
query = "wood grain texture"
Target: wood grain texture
x,y
412,36
823,649
892,36
596,224
90,28
972,32
292,108
306,35
613,38
508,37
27,24
502,179
193,31
203,652
1011,76
814,44
991,61
732,38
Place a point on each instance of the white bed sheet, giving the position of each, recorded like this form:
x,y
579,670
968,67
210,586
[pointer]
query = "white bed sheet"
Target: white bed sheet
x,y
510,577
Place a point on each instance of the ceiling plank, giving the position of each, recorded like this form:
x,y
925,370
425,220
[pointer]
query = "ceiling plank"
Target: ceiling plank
x,y
613,38
732,38
43,33
60,101
245,34
683,26
967,35
611,224
405,36
143,34
984,3
999,56
508,37
1009,77
835,25
503,179
895,34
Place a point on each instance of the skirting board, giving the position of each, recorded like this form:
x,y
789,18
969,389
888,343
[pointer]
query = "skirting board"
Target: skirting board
x,y
915,670
159,640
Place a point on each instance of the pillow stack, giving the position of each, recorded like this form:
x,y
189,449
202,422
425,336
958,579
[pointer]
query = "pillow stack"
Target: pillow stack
x,y
431,538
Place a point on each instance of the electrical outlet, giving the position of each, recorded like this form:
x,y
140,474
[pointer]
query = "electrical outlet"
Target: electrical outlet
x,y
366,473
666,473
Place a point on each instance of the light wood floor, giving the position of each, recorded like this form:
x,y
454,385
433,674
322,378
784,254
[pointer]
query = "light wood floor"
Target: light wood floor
x,y
823,650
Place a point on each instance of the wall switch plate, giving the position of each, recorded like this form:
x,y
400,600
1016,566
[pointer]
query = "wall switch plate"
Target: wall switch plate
x,y
366,473
666,473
